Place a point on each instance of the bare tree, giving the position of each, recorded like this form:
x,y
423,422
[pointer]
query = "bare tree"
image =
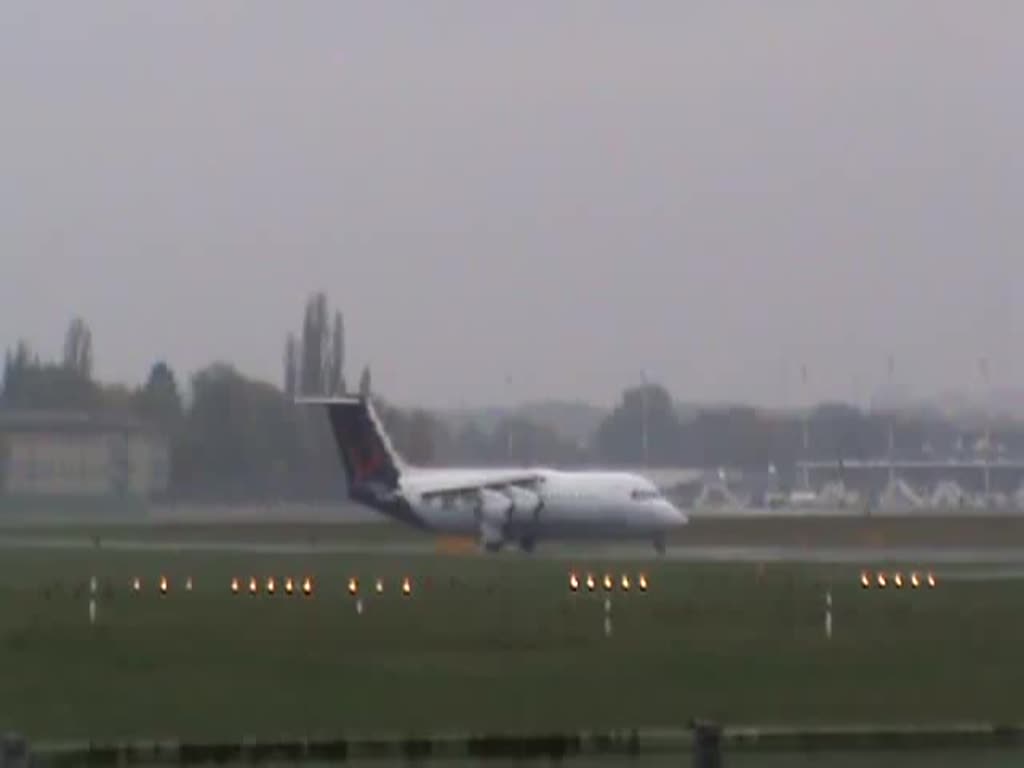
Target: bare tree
x,y
314,345
364,382
291,365
78,348
336,372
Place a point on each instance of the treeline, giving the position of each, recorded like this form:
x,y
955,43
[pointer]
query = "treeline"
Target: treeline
x,y
236,438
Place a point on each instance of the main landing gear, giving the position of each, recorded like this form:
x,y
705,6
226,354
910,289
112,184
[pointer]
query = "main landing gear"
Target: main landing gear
x,y
659,546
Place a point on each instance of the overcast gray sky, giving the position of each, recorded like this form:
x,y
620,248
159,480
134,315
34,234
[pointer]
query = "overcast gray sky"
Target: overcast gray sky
x,y
523,199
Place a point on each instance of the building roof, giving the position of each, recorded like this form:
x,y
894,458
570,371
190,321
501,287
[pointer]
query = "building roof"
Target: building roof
x,y
23,421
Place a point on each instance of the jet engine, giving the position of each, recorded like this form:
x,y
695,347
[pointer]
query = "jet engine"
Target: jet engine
x,y
525,504
493,507
493,511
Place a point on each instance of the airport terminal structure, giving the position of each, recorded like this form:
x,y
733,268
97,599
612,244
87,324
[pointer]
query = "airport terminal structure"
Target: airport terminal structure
x,y
48,456
872,485
78,457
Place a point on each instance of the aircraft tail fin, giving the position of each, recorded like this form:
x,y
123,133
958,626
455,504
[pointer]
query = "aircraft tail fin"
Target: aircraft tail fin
x,y
366,451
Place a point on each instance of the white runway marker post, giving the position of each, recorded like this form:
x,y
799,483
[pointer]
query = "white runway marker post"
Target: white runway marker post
x,y
92,600
828,614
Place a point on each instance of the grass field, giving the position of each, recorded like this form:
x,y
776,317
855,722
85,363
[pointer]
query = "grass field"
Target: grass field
x,y
955,759
485,644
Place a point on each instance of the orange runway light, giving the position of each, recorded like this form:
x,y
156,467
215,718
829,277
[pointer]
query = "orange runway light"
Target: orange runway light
x,y
642,582
607,582
289,586
353,586
234,586
915,580
590,582
406,586
624,581
271,586
931,580
881,581
163,585
307,586
865,579
574,582
253,586
898,580
379,586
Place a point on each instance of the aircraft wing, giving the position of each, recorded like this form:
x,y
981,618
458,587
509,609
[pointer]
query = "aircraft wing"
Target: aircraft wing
x,y
438,487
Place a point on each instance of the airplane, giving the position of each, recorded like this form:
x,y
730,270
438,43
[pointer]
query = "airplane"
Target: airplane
x,y
498,507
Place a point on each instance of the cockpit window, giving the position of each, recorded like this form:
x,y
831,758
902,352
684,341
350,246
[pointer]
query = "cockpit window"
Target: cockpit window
x,y
645,494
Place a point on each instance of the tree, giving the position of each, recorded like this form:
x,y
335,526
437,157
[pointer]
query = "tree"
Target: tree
x,y
314,345
524,440
16,365
118,400
336,367
365,383
642,429
291,365
30,384
420,449
159,400
78,348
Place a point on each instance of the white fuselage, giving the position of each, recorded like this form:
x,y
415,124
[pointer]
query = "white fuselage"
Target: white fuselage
x,y
558,505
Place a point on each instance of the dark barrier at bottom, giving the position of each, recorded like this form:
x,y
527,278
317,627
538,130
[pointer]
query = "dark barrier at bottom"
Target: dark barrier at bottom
x,y
13,751
707,745
704,742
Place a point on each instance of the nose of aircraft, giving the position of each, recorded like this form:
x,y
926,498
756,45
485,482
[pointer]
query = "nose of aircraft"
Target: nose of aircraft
x,y
670,515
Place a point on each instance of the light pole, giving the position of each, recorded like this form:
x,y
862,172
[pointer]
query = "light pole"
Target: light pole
x,y
643,417
510,422
986,458
892,428
806,429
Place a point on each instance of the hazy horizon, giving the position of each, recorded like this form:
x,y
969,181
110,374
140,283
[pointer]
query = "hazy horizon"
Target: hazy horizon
x,y
524,201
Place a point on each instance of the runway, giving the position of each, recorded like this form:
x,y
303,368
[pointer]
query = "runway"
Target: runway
x,y
696,554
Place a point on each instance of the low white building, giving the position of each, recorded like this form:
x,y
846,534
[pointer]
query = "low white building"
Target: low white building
x,y
51,454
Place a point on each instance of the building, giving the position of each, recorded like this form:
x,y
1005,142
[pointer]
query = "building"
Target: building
x,y
75,455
